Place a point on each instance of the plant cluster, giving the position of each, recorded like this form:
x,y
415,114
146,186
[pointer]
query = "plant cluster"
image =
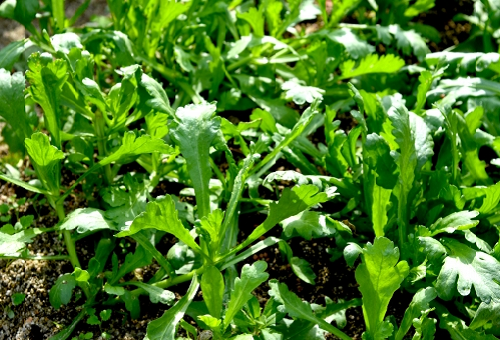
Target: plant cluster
x,y
407,188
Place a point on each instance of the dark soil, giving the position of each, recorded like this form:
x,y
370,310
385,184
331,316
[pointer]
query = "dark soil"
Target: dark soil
x,y
441,17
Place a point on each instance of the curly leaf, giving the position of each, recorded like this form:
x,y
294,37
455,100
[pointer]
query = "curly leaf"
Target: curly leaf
x,y
47,77
371,64
161,215
379,276
252,276
194,130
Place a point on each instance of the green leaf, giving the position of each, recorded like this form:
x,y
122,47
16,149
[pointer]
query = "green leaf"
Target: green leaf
x,y
134,146
425,80
356,47
456,327
212,224
138,259
87,219
461,220
194,130
62,290
351,253
379,276
164,328
418,305
47,77
65,42
12,103
485,313
490,197
7,9
255,18
81,275
252,276
11,53
161,215
410,40
388,63
418,7
292,202
303,270
297,308
105,314
46,160
25,11
406,161
301,94
471,268
425,327
311,224
114,290
159,100
11,244
24,185
17,298
212,286
377,154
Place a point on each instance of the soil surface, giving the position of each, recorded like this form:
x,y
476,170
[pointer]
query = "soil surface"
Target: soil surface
x,y
35,318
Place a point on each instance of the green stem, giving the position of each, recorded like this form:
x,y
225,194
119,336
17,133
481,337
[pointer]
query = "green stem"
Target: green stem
x,y
68,240
99,125
171,281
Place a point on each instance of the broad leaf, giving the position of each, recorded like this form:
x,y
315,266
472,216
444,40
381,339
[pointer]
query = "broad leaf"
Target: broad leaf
x,y
212,286
11,53
465,267
62,290
12,103
46,160
87,219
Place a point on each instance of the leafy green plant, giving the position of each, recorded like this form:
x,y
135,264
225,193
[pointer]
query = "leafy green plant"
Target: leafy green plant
x,y
335,140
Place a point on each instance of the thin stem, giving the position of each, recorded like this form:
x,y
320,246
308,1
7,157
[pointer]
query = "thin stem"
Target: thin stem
x,y
68,240
171,281
99,125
